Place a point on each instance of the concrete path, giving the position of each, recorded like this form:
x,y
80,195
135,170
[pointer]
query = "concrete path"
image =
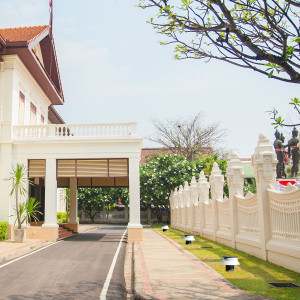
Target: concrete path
x,y
75,268
165,270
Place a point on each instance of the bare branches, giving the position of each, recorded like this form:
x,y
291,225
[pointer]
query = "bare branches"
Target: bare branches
x,y
188,137
262,35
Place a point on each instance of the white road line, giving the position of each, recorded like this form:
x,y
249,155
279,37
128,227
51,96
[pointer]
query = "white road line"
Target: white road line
x,y
21,257
111,270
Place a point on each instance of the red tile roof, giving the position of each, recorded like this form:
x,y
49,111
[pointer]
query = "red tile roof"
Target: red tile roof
x,y
21,34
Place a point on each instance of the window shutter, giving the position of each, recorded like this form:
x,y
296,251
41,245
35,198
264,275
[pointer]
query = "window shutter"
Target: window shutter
x,y
37,168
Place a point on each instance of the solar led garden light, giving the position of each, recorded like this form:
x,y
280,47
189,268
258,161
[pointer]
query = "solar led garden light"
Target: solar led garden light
x,y
230,262
188,239
165,227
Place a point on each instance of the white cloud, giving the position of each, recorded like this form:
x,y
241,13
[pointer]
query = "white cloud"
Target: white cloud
x,y
23,13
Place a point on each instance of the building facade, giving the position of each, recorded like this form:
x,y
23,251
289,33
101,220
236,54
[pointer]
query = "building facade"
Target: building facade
x,y
57,155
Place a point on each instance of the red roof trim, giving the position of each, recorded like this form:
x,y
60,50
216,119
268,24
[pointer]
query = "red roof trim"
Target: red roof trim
x,y
27,38
54,116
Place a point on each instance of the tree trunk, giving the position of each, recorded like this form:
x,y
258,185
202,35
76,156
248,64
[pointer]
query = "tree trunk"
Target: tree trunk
x,y
158,213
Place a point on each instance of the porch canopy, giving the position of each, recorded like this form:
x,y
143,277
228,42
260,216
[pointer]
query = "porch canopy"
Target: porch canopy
x,y
88,172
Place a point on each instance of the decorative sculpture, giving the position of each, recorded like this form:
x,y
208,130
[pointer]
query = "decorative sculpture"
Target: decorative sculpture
x,y
293,150
280,153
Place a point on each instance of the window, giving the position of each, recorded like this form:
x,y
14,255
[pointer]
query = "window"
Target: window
x,y
21,108
32,114
42,120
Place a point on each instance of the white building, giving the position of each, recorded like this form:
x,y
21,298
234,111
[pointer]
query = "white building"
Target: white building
x,y
57,154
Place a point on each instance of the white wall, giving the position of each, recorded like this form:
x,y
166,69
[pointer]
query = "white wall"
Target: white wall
x,y
19,79
265,225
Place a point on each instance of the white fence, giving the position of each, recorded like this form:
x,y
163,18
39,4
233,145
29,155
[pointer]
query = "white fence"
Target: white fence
x,y
266,225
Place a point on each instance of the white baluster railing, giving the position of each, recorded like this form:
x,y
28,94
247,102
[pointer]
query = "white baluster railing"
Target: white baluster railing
x,y
65,131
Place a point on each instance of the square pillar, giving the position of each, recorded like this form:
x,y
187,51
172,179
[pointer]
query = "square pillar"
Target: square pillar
x,y
73,223
134,225
50,194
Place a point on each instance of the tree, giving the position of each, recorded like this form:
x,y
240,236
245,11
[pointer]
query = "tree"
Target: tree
x,y
19,184
158,177
279,121
90,201
19,187
260,35
94,200
189,136
165,172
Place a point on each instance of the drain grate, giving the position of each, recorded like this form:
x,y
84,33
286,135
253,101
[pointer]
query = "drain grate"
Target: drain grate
x,y
284,284
207,248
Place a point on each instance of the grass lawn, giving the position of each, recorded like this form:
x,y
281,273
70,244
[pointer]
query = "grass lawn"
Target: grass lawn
x,y
252,275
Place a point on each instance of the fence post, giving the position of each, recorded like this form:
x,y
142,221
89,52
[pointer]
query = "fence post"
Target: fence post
x,y
203,188
235,178
264,162
171,199
216,180
194,199
181,215
186,199
176,210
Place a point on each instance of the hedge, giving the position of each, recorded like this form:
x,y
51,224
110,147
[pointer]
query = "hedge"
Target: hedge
x,y
3,230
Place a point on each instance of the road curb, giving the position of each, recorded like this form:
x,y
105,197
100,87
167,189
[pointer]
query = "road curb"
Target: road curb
x,y
128,271
137,275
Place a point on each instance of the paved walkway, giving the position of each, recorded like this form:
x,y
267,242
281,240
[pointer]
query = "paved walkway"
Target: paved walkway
x,y
165,270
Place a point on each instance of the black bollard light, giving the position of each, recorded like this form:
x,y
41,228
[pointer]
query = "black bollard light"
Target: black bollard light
x,y
188,239
165,227
230,262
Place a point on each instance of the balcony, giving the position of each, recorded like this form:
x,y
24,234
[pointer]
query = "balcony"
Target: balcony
x,y
74,131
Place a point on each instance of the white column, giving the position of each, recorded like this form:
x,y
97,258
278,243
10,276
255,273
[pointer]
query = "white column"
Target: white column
x,y
50,194
264,162
203,192
216,180
187,206
180,208
175,210
134,193
73,201
194,201
235,177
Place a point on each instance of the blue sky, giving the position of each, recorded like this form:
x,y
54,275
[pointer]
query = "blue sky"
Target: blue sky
x,y
114,70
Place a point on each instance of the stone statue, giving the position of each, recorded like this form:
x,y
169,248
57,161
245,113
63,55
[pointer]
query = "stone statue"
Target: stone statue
x,y
279,149
293,150
285,154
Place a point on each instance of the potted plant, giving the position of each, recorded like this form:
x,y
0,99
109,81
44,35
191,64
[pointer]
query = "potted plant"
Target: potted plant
x,y
24,210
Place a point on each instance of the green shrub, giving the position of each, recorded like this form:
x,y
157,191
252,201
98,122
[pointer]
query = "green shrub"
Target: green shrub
x,y
62,217
3,230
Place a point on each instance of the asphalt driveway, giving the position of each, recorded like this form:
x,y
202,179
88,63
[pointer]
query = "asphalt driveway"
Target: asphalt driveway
x,y
75,268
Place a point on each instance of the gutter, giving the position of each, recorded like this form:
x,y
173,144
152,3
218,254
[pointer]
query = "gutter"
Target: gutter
x,y
17,44
54,116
